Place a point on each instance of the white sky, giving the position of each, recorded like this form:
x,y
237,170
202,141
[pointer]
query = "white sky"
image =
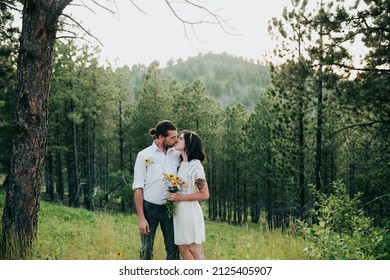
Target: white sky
x,y
132,37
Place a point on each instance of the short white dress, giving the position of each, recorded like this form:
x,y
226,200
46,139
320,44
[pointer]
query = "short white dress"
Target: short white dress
x,y
188,221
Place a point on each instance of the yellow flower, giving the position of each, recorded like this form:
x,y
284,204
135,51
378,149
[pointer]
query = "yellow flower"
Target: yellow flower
x,y
148,161
173,184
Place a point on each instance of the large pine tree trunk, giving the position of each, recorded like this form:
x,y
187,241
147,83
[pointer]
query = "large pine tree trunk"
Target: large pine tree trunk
x,y
20,214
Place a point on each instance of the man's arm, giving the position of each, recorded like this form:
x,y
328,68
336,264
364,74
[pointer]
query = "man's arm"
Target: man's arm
x,y
139,181
143,224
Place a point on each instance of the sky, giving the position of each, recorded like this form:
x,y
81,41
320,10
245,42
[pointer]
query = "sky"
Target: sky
x,y
148,30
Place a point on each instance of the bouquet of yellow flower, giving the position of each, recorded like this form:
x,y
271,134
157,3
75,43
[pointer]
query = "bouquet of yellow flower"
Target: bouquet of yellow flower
x,y
174,184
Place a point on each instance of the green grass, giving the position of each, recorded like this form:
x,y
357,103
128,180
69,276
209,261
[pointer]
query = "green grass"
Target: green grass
x,y
77,234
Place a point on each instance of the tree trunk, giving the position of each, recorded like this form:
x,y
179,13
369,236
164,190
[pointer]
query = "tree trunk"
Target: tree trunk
x,y
214,185
319,139
20,214
121,155
269,187
319,116
90,164
235,196
301,162
230,198
49,176
224,193
60,178
245,202
73,163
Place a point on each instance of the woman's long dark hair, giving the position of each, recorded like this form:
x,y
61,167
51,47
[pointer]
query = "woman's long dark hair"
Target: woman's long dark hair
x,y
193,146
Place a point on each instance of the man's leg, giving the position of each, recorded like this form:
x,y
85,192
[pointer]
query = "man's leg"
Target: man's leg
x,y
169,238
147,241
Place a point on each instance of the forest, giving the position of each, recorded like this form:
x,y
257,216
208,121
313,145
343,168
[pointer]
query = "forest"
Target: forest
x,y
279,138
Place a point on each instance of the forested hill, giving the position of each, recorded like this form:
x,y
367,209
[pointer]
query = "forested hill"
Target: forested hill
x,y
229,79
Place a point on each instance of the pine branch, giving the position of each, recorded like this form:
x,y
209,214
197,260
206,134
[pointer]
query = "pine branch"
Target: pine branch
x,y
376,198
361,69
360,125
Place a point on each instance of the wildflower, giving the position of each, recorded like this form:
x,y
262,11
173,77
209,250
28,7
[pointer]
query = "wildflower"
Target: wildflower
x,y
173,184
148,161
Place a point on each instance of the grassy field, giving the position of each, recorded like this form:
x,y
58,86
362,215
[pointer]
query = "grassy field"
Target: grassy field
x,y
77,234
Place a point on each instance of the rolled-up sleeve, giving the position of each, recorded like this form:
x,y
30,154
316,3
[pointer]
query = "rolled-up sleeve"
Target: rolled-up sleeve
x,y
139,172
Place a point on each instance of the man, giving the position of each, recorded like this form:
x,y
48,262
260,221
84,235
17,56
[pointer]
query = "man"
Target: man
x,y
150,191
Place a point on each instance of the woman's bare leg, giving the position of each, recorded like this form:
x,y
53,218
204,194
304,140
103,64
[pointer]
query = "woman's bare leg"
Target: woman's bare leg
x,y
185,252
196,251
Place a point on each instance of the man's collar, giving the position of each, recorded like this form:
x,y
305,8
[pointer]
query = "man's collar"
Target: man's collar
x,y
155,147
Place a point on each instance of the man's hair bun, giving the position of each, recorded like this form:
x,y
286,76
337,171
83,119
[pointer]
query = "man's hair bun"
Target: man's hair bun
x,y
152,132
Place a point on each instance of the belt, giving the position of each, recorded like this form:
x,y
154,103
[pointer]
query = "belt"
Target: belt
x,y
152,205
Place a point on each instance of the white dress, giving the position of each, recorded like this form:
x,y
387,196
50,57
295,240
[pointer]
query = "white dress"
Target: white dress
x,y
188,222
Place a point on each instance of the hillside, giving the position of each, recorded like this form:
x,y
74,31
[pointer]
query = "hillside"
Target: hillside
x,y
229,79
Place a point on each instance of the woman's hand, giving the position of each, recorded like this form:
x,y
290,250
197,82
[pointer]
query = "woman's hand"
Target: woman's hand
x,y
174,196
201,194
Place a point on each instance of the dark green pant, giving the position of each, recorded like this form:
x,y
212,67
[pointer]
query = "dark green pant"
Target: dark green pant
x,y
157,214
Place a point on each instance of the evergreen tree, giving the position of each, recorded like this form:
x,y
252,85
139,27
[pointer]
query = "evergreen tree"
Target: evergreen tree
x,y
8,54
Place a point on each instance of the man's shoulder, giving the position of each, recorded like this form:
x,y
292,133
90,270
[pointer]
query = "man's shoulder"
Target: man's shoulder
x,y
148,150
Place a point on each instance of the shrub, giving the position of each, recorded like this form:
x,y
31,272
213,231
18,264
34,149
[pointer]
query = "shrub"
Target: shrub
x,y
382,250
342,231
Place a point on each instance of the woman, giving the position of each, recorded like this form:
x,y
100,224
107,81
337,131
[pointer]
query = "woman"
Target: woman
x,y
189,226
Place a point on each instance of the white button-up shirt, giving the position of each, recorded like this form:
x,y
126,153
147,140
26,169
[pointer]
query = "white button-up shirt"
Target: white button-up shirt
x,y
149,167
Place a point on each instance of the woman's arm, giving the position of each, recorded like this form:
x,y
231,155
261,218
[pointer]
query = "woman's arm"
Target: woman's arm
x,y
201,194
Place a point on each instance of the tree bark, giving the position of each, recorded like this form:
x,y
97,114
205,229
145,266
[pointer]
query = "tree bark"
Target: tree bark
x,y
20,214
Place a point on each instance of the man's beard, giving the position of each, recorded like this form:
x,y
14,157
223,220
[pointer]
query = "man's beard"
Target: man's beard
x,y
167,146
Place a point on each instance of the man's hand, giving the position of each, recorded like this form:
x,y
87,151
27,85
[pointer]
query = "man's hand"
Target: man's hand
x,y
143,226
